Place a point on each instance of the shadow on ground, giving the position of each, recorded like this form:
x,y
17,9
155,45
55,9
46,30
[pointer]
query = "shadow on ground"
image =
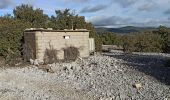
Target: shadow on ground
x,y
149,64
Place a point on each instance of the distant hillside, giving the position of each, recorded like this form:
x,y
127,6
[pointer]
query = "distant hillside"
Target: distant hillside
x,y
127,29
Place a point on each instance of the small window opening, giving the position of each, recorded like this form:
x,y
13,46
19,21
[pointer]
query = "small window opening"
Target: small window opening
x,y
66,37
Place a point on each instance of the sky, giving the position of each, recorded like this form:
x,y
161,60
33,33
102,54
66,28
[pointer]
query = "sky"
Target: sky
x,y
104,13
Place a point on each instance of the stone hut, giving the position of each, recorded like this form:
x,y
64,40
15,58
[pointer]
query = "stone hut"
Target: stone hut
x,y
37,41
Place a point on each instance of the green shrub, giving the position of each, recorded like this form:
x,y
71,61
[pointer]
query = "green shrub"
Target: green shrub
x,y
148,42
11,33
128,43
164,33
98,44
142,42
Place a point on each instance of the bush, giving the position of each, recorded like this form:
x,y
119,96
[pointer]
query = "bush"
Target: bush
x,y
148,42
50,56
141,42
167,63
2,61
71,53
166,45
128,43
11,33
27,52
164,33
98,44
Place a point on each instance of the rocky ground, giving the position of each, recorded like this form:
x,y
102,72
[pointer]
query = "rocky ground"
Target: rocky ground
x,y
111,76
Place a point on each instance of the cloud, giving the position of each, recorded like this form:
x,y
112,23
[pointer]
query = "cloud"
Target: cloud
x,y
149,6
5,3
157,22
125,3
167,12
93,9
105,21
14,3
76,1
117,21
31,2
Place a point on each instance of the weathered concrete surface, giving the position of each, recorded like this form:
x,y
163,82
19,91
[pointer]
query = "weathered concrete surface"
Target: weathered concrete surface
x,y
41,40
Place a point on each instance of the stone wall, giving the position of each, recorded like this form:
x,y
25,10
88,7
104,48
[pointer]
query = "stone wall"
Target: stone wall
x,y
59,40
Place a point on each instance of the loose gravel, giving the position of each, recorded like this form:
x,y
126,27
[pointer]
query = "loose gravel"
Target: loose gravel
x,y
100,77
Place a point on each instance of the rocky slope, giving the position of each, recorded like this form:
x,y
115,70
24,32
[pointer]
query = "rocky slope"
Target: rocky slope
x,y
99,77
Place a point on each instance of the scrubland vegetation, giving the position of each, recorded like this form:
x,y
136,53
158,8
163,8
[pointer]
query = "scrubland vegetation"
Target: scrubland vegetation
x,y
151,41
25,16
12,28
157,41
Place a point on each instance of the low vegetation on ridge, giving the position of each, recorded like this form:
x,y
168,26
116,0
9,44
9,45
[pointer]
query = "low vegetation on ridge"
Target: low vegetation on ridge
x,y
154,41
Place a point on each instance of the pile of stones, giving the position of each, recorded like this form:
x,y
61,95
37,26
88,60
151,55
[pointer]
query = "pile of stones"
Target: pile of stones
x,y
108,78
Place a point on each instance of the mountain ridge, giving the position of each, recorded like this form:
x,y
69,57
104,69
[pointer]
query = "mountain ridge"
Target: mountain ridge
x,y
126,29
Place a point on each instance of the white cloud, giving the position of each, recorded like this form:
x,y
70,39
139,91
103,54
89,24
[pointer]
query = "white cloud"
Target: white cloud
x,y
96,8
117,21
125,3
109,21
147,7
76,1
5,3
